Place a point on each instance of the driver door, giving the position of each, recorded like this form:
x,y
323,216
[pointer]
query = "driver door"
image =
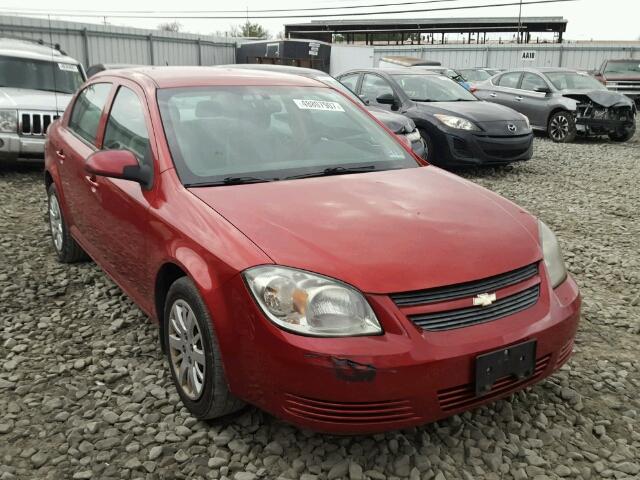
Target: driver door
x,y
120,221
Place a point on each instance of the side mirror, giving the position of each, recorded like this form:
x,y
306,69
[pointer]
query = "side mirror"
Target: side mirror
x,y
121,164
542,89
386,99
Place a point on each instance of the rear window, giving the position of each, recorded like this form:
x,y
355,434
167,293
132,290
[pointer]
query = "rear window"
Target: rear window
x,y
509,80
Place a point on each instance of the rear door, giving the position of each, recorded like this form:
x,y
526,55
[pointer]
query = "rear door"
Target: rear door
x,y
78,140
534,105
119,220
504,90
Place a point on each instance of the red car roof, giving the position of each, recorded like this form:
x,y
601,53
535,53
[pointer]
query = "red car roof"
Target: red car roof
x,y
166,77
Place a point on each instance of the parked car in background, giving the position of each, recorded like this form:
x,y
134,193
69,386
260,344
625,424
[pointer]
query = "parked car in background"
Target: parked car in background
x,y
395,61
622,76
563,103
297,256
36,84
476,75
399,124
459,130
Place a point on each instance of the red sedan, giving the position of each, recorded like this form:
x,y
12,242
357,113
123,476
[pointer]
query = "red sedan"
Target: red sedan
x,y
296,256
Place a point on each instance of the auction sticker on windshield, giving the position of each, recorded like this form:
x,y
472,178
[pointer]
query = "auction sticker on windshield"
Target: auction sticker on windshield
x,y
67,67
318,105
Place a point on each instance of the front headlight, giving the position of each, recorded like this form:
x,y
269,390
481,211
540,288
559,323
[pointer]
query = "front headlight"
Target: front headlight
x,y
526,121
552,255
310,304
456,122
8,121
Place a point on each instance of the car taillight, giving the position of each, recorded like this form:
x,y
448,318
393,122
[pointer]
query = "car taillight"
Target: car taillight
x,y
473,89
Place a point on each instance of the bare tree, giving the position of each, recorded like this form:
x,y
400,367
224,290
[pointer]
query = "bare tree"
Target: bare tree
x,y
170,26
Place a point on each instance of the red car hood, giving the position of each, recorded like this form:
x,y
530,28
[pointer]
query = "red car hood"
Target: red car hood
x,y
382,232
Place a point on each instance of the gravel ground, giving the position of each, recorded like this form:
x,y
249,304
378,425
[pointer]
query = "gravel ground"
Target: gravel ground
x,y
85,392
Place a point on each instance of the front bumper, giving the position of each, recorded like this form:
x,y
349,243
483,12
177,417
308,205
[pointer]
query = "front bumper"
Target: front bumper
x,y
14,147
403,378
467,149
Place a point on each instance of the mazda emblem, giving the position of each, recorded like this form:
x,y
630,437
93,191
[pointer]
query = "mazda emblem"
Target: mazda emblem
x,y
511,127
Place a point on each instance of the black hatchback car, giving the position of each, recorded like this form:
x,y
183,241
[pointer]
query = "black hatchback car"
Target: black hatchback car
x,y
459,129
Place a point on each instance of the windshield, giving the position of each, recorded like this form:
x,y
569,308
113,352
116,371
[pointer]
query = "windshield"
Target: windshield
x,y
475,75
629,67
245,134
574,80
39,75
433,88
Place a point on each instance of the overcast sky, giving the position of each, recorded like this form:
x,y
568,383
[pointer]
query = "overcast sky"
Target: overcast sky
x,y
588,19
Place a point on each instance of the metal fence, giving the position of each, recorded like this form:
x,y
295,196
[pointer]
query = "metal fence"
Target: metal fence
x,y
92,43
583,56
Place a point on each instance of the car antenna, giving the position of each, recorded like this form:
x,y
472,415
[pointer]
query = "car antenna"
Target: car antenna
x,y
53,70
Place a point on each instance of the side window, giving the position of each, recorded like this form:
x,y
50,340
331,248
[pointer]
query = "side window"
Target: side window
x,y
126,126
530,81
87,111
350,81
373,86
509,80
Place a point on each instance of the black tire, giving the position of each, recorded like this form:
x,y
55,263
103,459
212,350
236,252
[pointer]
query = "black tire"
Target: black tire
x,y
562,127
623,134
215,399
428,144
66,248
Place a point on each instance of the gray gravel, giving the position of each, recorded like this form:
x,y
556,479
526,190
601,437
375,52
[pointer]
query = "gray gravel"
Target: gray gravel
x,y
85,392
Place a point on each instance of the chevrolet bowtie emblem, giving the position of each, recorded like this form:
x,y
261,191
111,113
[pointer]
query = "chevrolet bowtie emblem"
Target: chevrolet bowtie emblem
x,y
484,299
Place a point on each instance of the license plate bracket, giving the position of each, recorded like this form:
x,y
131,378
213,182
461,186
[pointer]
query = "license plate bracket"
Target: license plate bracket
x,y
517,360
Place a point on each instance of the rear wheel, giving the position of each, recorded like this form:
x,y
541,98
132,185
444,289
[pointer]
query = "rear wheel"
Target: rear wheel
x,y
66,248
562,127
623,134
194,354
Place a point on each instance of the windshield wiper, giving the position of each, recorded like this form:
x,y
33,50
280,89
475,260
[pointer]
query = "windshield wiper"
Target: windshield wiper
x,y
422,100
334,171
229,181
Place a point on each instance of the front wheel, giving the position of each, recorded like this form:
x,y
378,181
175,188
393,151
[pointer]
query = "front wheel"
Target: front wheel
x,y
623,134
428,143
194,354
562,127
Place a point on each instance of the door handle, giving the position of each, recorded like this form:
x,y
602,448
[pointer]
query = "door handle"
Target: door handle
x,y
493,94
92,181
518,98
60,154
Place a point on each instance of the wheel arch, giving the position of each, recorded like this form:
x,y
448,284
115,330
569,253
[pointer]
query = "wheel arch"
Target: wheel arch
x,y
167,274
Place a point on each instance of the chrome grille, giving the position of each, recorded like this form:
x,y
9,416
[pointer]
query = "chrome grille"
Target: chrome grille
x,y
465,317
35,124
467,289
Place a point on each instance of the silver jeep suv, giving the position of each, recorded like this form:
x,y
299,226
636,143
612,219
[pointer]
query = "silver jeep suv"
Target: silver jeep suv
x,y
36,84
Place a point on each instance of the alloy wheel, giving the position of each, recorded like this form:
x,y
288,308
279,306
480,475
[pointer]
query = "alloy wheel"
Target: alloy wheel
x,y
55,222
186,349
559,127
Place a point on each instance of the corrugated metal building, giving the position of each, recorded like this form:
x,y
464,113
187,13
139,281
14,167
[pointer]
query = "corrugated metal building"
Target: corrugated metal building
x,y
583,56
92,43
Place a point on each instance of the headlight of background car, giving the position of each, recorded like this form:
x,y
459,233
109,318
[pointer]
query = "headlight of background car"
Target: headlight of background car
x,y
310,304
8,121
552,255
456,122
